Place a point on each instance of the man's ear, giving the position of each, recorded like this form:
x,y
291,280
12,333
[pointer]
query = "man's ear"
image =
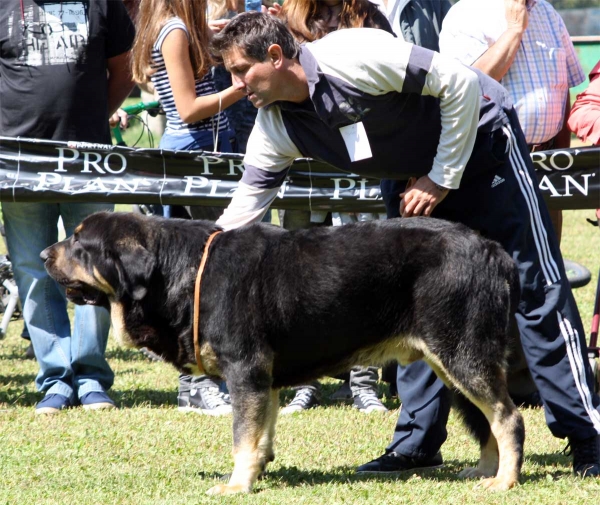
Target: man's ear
x,y
275,55
135,266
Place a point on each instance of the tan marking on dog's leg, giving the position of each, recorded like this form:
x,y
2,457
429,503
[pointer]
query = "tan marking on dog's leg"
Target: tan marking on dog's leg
x,y
488,462
506,425
255,447
274,411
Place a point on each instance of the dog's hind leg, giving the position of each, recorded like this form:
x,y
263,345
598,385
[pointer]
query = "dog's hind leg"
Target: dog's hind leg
x,y
254,416
507,426
503,446
479,427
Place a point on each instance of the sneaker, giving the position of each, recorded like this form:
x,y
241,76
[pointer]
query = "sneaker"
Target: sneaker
x,y
97,400
392,463
344,393
204,400
586,456
366,401
52,404
305,398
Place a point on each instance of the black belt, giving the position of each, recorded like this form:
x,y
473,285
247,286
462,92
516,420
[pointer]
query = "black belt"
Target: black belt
x,y
544,146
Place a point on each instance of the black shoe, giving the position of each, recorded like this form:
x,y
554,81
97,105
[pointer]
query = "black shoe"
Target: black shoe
x,y
586,456
392,462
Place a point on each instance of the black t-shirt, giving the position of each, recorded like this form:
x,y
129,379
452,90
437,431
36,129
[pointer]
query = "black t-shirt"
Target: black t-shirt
x,y
53,67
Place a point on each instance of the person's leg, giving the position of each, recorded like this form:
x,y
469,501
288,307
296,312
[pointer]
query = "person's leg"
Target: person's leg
x,y
421,427
363,383
91,371
30,228
513,213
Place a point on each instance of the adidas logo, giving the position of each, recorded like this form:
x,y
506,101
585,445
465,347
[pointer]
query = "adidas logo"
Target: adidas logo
x,y
497,180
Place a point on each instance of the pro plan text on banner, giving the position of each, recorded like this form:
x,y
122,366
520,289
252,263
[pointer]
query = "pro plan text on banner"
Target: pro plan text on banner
x,y
44,171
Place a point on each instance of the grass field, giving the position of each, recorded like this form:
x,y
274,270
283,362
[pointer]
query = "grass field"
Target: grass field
x,y
148,453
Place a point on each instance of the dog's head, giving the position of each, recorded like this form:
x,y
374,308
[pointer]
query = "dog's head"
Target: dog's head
x,y
107,257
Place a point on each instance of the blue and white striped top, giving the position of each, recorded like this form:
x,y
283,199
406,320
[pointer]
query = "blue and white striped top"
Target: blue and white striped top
x,y
204,86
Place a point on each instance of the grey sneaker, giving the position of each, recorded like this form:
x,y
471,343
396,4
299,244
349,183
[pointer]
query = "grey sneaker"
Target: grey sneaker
x,y
306,398
366,401
204,400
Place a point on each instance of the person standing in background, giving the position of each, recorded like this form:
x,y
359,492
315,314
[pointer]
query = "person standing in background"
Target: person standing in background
x,y
171,51
63,72
584,120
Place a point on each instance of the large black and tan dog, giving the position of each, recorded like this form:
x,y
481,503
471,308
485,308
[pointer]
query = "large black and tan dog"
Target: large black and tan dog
x,y
280,308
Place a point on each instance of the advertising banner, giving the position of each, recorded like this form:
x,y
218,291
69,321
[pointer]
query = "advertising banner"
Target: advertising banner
x,y
47,171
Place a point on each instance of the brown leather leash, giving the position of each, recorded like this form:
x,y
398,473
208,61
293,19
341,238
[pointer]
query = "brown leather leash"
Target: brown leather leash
x,y
197,301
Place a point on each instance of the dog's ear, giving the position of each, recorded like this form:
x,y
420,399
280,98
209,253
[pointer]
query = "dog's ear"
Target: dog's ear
x,y
135,266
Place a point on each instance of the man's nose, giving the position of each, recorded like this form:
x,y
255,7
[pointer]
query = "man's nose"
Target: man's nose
x,y
237,83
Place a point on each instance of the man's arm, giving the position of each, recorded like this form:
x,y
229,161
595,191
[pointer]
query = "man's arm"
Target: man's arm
x,y
269,154
496,61
120,82
584,120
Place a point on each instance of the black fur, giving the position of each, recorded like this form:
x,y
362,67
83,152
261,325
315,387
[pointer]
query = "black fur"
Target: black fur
x,y
281,308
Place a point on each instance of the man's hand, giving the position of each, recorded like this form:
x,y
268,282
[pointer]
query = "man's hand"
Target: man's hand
x,y
420,197
517,17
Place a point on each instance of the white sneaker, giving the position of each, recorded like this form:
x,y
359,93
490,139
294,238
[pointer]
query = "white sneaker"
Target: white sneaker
x,y
206,400
306,398
366,401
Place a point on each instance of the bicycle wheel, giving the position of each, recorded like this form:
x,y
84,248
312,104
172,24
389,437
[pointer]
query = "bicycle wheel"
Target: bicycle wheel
x,y
577,274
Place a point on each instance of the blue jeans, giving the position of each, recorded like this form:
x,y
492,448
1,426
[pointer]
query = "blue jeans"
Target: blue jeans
x,y
70,364
197,140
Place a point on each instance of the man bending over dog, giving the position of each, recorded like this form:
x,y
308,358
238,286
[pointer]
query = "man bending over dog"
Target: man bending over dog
x,y
377,106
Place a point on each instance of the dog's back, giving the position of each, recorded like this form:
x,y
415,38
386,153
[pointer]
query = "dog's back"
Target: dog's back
x,y
346,290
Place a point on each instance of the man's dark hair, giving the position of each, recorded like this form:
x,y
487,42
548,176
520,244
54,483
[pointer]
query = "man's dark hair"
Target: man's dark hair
x,y
254,32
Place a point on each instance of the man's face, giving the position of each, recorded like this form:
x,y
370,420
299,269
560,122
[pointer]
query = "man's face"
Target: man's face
x,y
255,78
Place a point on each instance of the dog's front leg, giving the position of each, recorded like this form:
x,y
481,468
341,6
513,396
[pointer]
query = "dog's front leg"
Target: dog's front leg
x,y
254,416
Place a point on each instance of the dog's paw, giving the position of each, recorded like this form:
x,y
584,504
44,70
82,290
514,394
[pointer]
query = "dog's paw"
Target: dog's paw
x,y
472,473
226,489
497,484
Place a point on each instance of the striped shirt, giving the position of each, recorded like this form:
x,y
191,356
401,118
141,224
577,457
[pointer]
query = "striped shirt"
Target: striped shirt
x,y
544,69
160,79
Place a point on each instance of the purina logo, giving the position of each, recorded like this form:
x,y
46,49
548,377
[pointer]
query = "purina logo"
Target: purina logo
x,y
497,180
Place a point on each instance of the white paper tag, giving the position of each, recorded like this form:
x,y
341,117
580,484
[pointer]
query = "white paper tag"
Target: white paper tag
x,y
357,142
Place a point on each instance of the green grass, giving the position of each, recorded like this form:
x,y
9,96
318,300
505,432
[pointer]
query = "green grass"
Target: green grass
x,y
148,453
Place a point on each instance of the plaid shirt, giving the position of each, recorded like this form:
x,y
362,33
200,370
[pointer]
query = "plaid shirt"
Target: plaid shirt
x,y
544,69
